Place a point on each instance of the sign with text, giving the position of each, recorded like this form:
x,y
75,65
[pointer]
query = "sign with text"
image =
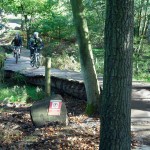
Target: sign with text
x,y
55,107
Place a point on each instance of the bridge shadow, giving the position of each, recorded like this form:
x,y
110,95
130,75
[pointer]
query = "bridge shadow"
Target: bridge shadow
x,y
141,104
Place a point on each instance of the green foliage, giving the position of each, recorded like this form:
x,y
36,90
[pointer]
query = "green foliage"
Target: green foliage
x,y
54,20
142,77
17,93
99,60
28,7
95,15
141,64
56,26
65,62
18,78
14,94
35,93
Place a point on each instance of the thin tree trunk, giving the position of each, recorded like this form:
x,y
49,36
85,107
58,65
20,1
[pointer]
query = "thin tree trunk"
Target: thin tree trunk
x,y
86,56
117,83
145,19
140,17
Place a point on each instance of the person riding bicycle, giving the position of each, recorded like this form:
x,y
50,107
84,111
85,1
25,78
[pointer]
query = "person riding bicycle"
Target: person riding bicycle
x,y
35,42
17,42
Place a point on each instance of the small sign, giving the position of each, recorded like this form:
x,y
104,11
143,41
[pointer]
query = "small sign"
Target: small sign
x,y
55,107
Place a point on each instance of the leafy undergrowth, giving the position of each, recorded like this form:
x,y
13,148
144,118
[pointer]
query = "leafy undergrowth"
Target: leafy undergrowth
x,y
18,93
18,132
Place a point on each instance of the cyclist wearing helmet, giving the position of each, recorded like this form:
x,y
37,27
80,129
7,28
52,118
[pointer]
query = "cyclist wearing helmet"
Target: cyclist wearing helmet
x,y
35,42
17,42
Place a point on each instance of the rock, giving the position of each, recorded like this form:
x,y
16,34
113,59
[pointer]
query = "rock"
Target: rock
x,y
42,114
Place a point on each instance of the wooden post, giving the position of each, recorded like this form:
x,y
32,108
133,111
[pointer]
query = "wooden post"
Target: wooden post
x,y
48,77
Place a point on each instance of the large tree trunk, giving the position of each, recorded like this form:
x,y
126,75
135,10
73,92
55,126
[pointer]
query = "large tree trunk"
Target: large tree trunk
x,y
86,56
117,83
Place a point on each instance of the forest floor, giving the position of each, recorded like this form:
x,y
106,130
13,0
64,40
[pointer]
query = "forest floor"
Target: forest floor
x,y
18,132
82,133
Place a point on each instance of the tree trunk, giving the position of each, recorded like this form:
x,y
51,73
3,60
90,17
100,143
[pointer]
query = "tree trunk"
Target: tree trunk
x,y
140,17
86,56
27,29
24,24
117,82
145,19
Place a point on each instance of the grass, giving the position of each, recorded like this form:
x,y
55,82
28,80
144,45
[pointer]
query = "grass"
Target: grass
x,y
18,93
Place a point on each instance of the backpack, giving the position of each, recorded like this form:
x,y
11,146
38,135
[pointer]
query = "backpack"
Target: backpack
x,y
36,42
17,41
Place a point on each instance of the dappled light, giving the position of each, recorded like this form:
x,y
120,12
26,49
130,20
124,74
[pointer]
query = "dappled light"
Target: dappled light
x,y
99,62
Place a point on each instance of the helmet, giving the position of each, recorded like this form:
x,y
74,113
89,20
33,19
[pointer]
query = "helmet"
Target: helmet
x,y
36,34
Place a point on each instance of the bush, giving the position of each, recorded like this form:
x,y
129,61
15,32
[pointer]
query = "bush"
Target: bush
x,y
18,93
65,62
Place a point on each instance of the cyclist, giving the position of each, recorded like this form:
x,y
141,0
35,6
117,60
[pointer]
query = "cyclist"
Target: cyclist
x,y
35,42
17,42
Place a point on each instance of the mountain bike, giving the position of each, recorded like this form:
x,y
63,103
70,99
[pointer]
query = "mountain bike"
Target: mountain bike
x,y
35,58
17,53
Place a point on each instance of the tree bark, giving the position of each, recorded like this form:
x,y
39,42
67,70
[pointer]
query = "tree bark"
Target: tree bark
x,y
117,82
86,56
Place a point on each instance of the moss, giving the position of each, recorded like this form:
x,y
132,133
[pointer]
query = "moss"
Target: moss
x,y
2,58
90,109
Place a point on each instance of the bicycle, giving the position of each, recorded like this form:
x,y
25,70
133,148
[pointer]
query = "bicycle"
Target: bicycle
x,y
17,53
35,58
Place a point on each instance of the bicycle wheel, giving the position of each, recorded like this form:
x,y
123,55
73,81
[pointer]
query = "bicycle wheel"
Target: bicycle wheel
x,y
16,57
32,61
37,62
